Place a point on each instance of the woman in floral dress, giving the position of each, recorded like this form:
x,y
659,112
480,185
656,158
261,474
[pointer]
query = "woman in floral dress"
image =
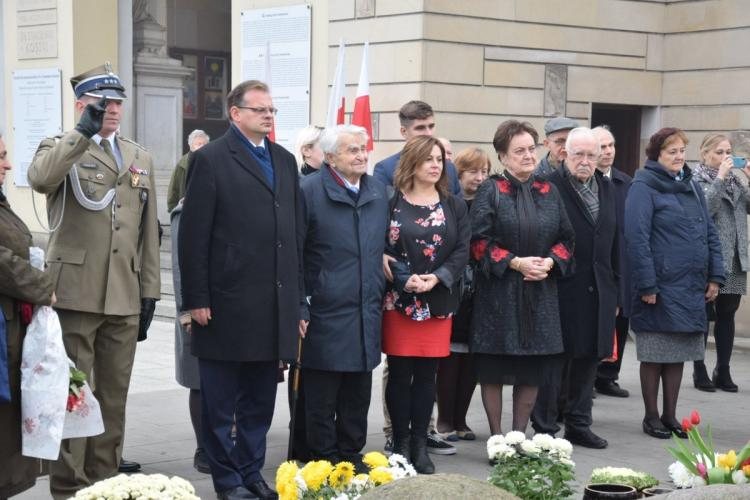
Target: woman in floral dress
x,y
429,238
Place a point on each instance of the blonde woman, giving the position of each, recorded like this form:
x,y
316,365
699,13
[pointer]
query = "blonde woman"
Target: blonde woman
x,y
728,199
307,150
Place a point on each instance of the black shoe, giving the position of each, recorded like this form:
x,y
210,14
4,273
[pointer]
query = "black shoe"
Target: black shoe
x,y
419,457
655,428
237,493
128,467
388,447
262,490
439,446
700,378
723,380
401,447
611,388
586,438
200,462
676,429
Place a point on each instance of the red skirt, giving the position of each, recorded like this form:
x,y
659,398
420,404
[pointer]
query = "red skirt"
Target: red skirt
x,y
424,339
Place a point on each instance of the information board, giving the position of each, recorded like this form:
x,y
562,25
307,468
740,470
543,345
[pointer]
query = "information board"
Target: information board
x,y
37,113
286,30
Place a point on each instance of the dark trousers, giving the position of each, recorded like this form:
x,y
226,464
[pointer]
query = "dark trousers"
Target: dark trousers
x,y
410,394
336,406
245,392
610,370
726,305
581,373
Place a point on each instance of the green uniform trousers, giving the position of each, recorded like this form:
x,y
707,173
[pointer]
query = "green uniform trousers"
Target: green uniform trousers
x,y
103,347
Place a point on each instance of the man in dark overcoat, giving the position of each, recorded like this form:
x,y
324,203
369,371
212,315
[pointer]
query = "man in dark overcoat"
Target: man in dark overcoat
x,y
239,261
345,220
609,371
588,298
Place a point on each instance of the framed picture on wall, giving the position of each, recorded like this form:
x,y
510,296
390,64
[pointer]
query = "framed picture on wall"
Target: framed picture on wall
x,y
213,105
214,74
190,90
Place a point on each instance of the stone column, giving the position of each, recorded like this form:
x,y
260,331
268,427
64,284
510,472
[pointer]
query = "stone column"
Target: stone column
x,y
158,89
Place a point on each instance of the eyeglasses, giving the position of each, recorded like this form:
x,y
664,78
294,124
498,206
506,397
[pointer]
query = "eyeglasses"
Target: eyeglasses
x,y
260,111
580,155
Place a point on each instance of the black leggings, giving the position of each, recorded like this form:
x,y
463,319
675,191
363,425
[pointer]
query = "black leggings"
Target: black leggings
x,y
410,394
726,305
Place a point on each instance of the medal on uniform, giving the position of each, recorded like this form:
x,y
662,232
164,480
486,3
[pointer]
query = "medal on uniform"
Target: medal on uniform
x,y
134,178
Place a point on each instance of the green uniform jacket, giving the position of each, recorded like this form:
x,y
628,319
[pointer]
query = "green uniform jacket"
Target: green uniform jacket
x,y
178,183
100,261
18,282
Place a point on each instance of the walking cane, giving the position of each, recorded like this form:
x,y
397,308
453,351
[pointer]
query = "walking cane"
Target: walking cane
x,y
295,393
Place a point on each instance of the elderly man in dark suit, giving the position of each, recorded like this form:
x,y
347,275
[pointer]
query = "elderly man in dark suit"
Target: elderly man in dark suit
x,y
588,297
239,261
609,371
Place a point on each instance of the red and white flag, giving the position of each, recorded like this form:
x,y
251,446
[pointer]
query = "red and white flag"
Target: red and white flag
x,y
362,115
272,135
337,103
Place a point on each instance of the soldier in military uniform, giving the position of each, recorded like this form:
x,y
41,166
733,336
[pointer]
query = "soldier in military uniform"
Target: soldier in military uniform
x,y
103,258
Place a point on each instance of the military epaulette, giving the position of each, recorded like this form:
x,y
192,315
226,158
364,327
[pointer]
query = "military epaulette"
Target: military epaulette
x,y
131,141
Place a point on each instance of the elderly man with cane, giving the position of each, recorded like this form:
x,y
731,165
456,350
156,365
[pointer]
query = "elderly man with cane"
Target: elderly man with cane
x,y
344,226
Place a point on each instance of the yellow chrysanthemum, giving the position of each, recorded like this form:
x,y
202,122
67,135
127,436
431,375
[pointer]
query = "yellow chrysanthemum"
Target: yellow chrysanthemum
x,y
728,460
365,477
286,486
316,473
380,476
341,474
375,459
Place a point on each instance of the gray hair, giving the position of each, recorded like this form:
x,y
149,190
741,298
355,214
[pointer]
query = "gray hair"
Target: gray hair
x,y
604,128
329,142
195,134
308,136
582,132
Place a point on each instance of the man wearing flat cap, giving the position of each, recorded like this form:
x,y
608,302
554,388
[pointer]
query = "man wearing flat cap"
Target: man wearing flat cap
x,y
556,133
103,257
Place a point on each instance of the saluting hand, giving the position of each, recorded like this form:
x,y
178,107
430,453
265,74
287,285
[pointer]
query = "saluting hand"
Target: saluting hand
x,y
91,119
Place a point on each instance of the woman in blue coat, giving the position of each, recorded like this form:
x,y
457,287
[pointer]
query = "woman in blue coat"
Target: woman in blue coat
x,y
343,229
675,263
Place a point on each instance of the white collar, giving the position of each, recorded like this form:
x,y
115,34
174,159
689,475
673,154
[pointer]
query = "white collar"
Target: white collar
x,y
98,139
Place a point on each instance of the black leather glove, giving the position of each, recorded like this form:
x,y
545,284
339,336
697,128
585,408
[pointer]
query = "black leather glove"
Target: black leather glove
x,y
91,119
148,306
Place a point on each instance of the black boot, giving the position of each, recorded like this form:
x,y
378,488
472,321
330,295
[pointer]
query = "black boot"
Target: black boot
x,y
401,447
723,380
700,377
419,458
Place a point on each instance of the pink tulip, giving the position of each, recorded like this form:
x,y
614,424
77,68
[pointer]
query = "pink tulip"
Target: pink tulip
x,y
701,469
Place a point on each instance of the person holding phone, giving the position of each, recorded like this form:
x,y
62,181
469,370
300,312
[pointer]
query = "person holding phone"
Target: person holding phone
x,y
724,180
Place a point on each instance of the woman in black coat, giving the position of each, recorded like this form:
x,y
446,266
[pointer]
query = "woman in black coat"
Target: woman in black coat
x,y
345,218
522,241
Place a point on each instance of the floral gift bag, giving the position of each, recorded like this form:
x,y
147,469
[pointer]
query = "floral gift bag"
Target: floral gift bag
x,y
83,416
44,385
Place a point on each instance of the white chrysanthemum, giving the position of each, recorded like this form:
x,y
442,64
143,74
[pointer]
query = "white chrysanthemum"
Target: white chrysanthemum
x,y
397,460
501,451
530,447
681,477
738,477
562,447
543,441
301,484
515,437
567,461
495,440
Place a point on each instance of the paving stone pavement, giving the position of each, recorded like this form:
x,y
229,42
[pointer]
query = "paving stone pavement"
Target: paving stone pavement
x,y
160,437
